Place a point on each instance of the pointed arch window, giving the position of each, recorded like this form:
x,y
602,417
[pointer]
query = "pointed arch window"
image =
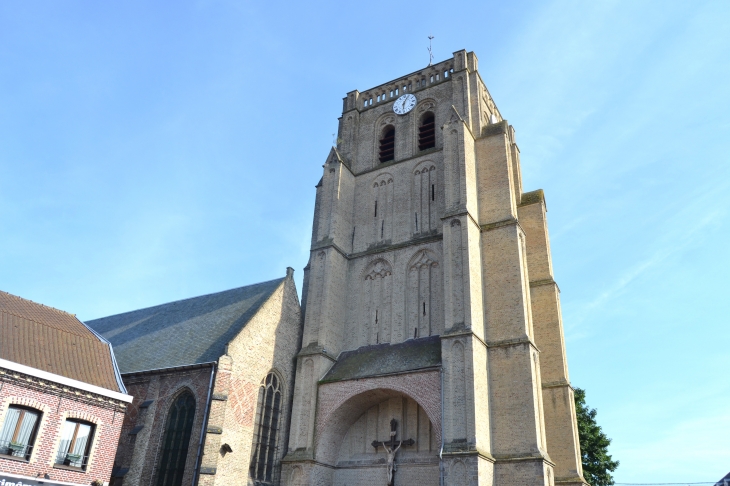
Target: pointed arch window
x,y
265,446
427,131
176,441
387,144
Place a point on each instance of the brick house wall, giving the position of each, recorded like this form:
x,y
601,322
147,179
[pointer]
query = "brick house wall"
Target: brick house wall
x,y
57,402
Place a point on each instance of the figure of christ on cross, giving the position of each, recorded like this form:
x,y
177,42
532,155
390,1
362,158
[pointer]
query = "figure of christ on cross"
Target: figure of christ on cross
x,y
390,461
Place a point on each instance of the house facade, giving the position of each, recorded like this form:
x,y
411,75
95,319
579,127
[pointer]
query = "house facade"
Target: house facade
x,y
62,401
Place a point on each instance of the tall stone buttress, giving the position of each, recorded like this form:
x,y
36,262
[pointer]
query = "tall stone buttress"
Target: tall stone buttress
x,y
429,300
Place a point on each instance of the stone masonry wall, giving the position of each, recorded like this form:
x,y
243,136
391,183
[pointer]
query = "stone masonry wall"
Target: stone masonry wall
x,y
267,344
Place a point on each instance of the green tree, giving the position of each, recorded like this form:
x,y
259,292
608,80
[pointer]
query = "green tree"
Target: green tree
x,y
597,463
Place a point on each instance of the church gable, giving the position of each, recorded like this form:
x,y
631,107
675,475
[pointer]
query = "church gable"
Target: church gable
x,y
193,330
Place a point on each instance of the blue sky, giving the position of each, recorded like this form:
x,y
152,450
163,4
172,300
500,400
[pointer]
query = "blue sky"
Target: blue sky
x,y
152,151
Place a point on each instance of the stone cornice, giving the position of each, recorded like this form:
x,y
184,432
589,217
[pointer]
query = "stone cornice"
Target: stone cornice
x,y
314,349
512,342
557,384
455,213
382,166
60,390
547,281
397,246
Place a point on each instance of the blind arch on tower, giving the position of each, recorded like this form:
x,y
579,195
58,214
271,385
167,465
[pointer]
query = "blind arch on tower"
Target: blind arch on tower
x,y
176,440
268,420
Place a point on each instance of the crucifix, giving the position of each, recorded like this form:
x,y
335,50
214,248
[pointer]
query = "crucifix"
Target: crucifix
x,y
392,449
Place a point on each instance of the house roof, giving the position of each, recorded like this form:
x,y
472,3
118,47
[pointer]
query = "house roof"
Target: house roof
x,y
184,332
55,341
384,359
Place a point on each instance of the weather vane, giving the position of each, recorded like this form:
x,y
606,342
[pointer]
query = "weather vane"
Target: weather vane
x,y
430,53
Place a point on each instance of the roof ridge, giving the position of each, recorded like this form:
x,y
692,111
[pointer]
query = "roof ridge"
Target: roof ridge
x,y
36,303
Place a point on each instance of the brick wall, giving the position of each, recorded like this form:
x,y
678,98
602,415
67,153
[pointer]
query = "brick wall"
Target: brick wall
x,y
57,403
140,452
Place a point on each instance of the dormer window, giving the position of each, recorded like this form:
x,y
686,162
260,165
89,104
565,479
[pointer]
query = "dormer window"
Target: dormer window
x,y
387,144
427,131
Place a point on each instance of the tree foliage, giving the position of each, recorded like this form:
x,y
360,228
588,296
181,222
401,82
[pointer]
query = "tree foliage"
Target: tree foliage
x,y
597,463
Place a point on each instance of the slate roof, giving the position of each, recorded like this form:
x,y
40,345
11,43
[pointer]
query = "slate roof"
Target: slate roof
x,y
724,481
185,332
55,341
384,359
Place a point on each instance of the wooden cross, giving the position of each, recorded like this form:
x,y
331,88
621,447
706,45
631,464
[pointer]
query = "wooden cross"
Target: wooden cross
x,y
391,447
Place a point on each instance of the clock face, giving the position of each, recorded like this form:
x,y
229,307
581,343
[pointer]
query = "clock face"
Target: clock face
x,y
404,104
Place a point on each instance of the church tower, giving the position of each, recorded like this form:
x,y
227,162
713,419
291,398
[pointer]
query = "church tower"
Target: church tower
x,y
433,348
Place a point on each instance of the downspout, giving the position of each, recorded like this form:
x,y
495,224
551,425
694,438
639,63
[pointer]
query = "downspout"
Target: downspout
x,y
196,471
441,452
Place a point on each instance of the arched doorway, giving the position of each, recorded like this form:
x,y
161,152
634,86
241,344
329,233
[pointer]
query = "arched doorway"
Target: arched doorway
x,y
347,443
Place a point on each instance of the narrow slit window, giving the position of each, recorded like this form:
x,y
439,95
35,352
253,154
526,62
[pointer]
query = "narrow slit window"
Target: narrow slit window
x,y
433,192
427,132
387,144
376,209
424,308
382,228
416,222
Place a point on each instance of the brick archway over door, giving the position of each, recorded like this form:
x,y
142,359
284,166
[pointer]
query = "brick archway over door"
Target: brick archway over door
x,y
341,403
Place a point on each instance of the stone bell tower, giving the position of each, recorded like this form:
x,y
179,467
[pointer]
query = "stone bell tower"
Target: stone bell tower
x,y
433,348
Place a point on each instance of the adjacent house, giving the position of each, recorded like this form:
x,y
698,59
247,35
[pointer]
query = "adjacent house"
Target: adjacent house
x,y
62,400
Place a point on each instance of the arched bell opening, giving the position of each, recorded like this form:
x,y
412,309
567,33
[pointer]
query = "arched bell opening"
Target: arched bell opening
x,y
387,144
427,131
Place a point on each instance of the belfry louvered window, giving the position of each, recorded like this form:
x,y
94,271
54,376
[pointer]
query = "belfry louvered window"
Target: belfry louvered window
x,y
387,144
176,441
265,445
427,132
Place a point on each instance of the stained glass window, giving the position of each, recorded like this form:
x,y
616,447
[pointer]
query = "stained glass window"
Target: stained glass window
x,y
265,439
